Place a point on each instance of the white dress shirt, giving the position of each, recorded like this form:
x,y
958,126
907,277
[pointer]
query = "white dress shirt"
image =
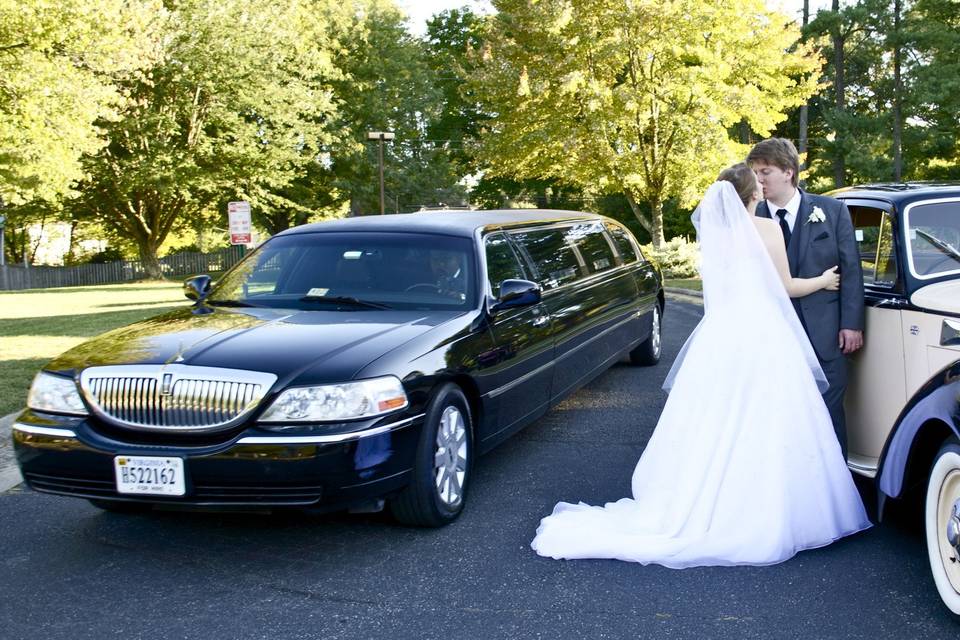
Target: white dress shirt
x,y
792,207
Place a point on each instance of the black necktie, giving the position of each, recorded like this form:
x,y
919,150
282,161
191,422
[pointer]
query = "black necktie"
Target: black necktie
x,y
782,214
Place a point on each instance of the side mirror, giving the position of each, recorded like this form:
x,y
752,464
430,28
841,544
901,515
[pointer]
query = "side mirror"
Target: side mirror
x,y
197,287
516,293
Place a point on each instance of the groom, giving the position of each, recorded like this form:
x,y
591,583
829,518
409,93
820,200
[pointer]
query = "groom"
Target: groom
x,y
818,234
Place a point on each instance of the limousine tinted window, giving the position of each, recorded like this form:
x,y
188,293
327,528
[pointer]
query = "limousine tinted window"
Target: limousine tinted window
x,y
554,259
593,247
620,238
502,262
396,270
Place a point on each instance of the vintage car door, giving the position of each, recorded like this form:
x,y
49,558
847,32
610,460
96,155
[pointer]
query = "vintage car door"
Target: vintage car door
x,y
516,371
877,386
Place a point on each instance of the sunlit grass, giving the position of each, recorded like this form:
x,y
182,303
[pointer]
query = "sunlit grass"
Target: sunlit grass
x,y
684,283
40,324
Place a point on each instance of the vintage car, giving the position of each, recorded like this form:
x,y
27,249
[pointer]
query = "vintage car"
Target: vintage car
x,y
345,364
903,399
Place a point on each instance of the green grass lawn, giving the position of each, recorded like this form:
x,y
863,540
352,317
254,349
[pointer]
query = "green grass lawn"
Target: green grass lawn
x,y
684,283
39,324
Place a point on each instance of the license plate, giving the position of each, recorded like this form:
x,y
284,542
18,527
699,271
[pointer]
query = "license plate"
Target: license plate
x,y
149,475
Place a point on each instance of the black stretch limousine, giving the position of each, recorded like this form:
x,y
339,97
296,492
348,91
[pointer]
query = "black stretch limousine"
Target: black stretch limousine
x,y
345,364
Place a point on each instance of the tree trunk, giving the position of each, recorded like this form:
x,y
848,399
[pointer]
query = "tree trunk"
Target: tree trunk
x,y
642,219
839,160
897,97
804,108
149,260
656,215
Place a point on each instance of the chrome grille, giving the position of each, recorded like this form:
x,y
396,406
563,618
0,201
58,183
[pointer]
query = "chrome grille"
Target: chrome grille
x,y
173,397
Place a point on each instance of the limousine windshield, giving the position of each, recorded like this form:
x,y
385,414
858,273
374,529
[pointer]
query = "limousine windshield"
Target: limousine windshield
x,y
353,271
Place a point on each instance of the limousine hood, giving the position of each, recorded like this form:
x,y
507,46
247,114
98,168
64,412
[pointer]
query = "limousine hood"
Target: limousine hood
x,y
279,341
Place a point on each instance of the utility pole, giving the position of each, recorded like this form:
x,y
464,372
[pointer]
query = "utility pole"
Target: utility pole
x,y
381,136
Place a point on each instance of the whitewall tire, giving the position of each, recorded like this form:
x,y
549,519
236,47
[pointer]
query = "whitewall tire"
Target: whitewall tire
x,y
942,524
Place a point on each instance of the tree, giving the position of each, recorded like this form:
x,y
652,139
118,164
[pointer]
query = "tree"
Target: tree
x,y
237,105
635,97
388,85
58,63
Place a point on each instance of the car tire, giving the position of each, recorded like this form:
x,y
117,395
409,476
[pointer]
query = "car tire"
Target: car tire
x,y
441,472
942,523
119,506
647,353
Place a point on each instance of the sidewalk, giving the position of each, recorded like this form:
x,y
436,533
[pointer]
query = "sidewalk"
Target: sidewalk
x,y
684,295
9,473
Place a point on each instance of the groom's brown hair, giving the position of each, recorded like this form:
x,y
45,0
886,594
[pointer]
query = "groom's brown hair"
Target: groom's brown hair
x,y
778,152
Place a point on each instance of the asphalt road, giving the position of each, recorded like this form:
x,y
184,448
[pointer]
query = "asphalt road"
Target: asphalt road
x,y
69,570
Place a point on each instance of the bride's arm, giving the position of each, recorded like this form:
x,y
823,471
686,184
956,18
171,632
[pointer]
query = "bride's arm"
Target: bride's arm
x,y
796,287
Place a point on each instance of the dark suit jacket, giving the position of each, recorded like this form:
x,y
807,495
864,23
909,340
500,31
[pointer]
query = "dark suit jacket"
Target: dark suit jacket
x,y
814,247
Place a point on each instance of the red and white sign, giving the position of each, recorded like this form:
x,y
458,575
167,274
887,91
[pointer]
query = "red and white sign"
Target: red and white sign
x,y
238,214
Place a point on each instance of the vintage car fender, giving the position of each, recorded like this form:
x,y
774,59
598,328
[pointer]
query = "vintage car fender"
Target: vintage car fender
x,y
934,406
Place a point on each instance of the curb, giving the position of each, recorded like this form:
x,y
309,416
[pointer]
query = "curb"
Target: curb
x,y
684,295
9,472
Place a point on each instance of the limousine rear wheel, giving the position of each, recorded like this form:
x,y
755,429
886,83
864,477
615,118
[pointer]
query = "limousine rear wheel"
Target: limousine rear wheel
x,y
441,473
942,520
647,353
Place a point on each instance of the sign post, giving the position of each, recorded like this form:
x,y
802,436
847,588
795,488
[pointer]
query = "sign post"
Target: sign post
x,y
3,223
238,214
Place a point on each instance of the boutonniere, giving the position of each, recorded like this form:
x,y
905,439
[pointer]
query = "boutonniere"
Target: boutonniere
x,y
817,215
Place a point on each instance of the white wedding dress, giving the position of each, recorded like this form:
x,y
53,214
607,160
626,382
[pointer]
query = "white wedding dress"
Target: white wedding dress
x,y
744,467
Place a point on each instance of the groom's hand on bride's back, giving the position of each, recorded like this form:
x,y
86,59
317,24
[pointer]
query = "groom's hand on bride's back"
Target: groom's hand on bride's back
x,y
850,340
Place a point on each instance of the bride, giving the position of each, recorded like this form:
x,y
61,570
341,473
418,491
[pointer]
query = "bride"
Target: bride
x,y
744,467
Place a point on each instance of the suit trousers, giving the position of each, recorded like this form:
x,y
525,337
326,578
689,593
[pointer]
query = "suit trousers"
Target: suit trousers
x,y
836,372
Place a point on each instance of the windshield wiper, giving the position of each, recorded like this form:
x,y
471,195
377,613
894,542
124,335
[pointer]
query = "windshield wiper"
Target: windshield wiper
x,y
939,244
345,300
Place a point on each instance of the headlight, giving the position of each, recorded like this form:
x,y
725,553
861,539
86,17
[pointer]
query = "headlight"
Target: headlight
x,y
362,399
55,394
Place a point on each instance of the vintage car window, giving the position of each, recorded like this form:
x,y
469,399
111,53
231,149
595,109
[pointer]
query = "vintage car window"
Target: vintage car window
x,y
878,256
933,233
621,238
553,256
502,262
377,270
593,246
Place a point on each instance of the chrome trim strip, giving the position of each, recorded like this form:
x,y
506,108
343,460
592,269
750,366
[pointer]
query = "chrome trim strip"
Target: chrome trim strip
x,y
513,383
862,470
510,385
43,431
634,314
332,438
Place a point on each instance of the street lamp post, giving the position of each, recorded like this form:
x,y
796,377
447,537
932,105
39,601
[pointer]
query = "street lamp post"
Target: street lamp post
x,y
381,136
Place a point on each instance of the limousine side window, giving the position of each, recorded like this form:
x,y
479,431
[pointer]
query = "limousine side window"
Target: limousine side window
x,y
621,238
502,262
874,233
555,260
593,246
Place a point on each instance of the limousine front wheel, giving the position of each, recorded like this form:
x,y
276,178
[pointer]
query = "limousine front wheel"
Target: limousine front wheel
x,y
648,352
942,519
441,473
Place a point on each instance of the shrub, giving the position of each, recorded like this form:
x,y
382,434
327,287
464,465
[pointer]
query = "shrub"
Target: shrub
x,y
678,258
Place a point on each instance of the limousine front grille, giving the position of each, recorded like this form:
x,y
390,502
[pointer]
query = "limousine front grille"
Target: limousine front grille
x,y
178,398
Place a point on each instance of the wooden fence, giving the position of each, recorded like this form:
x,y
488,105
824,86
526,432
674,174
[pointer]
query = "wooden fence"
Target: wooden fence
x,y
18,277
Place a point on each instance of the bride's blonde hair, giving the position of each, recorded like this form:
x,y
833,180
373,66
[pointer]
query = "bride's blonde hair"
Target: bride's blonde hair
x,y
743,180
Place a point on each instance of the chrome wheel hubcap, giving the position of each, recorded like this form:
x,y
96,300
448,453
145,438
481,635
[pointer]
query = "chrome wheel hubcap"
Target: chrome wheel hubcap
x,y
450,459
948,523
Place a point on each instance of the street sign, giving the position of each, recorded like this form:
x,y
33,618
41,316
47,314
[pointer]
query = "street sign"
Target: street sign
x,y
238,214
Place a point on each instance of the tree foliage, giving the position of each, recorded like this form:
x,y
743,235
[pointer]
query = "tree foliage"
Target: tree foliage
x,y
237,105
636,97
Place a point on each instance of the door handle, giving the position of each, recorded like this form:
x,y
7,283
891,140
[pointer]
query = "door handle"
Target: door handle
x,y
541,320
